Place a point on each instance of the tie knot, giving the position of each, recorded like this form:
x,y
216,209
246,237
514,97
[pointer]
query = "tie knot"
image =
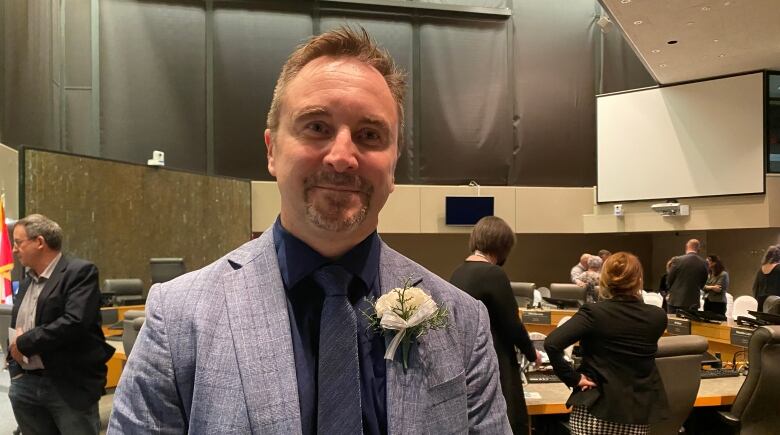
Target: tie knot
x,y
333,279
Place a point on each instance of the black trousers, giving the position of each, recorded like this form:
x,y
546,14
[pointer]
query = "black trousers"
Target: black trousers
x,y
715,307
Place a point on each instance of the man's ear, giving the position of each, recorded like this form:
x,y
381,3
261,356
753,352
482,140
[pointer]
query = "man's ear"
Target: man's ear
x,y
269,146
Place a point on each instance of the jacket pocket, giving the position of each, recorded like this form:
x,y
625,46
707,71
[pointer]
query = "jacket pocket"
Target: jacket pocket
x,y
447,410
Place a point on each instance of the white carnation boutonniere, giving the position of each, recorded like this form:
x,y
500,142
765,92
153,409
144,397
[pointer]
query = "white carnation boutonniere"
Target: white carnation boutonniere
x,y
407,313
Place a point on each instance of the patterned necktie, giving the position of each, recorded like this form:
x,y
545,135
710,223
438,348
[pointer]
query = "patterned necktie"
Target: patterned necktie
x,y
338,380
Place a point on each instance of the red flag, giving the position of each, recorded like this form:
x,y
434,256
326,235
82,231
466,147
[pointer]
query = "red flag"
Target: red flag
x,y
6,255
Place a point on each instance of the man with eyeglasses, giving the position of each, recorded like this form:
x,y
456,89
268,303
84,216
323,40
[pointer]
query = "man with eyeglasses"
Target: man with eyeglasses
x,y
57,359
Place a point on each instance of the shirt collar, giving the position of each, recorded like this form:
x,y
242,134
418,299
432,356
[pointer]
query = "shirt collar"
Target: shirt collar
x,y
297,260
46,272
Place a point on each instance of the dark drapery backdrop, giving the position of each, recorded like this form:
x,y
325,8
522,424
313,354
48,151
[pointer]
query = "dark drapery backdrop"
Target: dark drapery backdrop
x,y
498,100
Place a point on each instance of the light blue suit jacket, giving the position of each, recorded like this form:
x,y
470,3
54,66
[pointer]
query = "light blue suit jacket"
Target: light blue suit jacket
x,y
215,356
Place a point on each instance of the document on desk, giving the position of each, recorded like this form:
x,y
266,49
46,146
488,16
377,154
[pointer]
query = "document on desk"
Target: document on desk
x,y
532,395
12,340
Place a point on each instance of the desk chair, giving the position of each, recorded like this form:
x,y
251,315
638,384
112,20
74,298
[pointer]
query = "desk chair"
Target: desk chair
x,y
729,305
524,292
568,291
755,408
679,363
132,323
128,291
654,299
5,323
742,305
772,304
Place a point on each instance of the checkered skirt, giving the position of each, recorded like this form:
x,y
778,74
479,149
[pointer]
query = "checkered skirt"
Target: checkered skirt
x,y
582,422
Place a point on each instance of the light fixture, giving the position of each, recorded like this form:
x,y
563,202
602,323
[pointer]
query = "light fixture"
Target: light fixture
x,y
722,55
637,22
705,8
625,2
655,50
716,40
663,65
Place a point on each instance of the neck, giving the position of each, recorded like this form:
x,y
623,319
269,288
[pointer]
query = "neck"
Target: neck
x,y
329,244
480,256
692,252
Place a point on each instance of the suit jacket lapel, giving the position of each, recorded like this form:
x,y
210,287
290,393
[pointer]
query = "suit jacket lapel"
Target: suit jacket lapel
x,y
49,285
260,328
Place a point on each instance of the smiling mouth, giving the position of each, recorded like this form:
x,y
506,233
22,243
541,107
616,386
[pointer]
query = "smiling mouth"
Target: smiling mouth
x,y
345,189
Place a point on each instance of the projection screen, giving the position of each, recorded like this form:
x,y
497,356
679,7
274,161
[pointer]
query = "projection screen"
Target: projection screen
x,y
691,140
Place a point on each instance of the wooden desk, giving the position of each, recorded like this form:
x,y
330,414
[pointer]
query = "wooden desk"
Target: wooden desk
x,y
718,335
120,315
712,392
116,364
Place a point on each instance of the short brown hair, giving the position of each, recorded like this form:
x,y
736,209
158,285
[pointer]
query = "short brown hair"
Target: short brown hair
x,y
493,236
343,41
621,275
39,225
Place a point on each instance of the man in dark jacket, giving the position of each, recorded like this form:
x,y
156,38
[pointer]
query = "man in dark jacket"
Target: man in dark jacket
x,y
57,356
687,276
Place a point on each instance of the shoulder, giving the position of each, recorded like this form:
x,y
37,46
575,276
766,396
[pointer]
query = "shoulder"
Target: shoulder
x,y
207,284
75,263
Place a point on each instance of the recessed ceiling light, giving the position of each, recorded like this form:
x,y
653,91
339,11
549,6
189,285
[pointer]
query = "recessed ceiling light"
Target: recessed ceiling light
x,y
690,23
637,22
705,8
625,1
655,50
726,3
663,65
716,40
672,42
722,55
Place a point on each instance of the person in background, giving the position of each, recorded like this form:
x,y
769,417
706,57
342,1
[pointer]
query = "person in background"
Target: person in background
x,y
687,276
590,278
617,388
604,254
716,287
767,281
663,286
482,277
57,361
578,268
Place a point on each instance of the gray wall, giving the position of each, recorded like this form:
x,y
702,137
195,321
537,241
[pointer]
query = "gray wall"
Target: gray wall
x,y
507,100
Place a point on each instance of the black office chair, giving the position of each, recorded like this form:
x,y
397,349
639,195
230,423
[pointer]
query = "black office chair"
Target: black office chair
x,y
524,292
125,291
166,269
755,408
772,305
679,363
568,291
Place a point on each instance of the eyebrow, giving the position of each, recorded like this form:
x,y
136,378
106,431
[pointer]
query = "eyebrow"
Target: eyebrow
x,y
313,111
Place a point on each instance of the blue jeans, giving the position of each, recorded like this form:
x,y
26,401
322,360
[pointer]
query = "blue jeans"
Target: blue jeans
x,y
40,409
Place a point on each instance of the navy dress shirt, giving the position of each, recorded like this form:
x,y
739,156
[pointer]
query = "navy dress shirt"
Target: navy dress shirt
x,y
297,261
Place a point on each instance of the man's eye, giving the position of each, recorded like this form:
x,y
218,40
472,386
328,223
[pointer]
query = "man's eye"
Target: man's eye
x,y
317,127
370,135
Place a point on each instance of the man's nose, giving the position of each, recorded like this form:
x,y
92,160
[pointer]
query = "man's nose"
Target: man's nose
x,y
342,155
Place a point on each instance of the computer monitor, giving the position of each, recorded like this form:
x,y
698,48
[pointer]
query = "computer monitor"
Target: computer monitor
x,y
467,210
766,318
166,269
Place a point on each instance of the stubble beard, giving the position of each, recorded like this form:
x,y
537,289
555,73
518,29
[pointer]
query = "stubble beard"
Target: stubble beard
x,y
329,216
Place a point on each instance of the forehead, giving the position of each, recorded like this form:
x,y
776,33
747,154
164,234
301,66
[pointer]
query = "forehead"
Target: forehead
x,y
341,82
20,230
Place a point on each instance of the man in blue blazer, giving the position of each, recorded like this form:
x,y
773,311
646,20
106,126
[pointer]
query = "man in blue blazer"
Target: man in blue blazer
x,y
272,338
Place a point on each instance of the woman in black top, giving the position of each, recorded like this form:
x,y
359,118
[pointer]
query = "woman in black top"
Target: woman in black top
x,y
767,280
716,287
482,277
617,388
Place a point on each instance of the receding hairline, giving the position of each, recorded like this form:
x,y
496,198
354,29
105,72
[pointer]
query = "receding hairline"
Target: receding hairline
x,y
315,109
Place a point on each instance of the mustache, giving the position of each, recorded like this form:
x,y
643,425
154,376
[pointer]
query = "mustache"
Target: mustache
x,y
330,178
